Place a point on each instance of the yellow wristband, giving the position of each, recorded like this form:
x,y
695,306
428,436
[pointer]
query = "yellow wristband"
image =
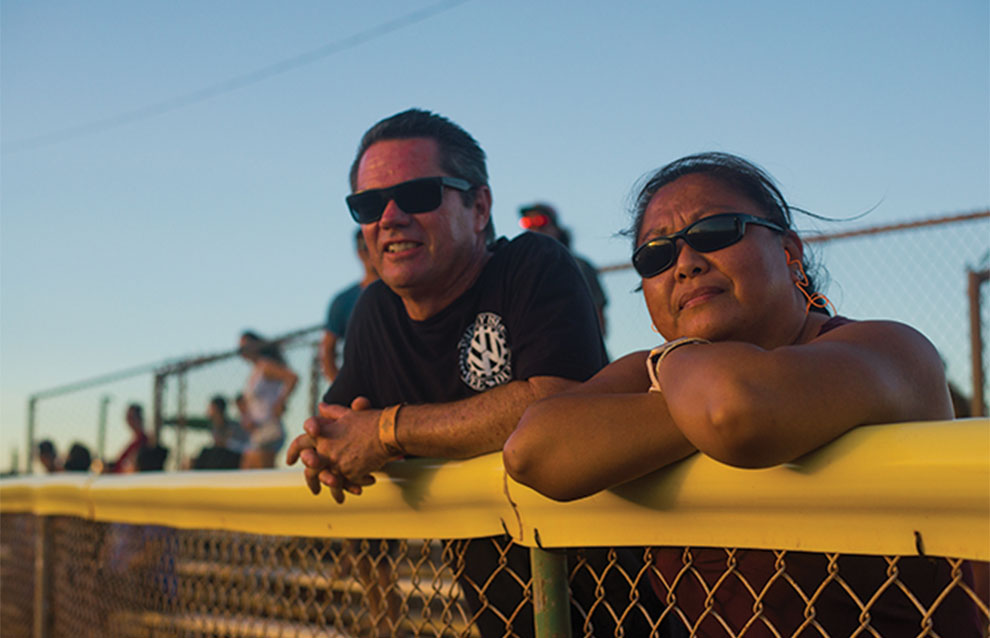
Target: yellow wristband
x,y
387,424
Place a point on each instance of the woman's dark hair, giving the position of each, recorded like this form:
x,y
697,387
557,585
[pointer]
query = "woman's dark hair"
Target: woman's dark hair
x,y
220,403
743,176
79,458
261,347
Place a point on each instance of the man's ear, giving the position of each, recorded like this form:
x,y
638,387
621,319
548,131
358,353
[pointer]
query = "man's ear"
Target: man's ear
x,y
482,207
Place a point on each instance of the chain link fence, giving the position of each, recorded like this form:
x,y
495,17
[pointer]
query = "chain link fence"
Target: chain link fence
x,y
109,580
881,533
174,395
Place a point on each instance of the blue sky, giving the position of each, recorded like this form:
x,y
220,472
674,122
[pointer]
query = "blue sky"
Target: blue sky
x,y
167,235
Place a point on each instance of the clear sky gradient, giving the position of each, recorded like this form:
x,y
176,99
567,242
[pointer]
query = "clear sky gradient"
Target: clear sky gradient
x,y
165,185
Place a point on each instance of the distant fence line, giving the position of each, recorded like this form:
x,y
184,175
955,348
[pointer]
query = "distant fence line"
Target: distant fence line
x,y
178,384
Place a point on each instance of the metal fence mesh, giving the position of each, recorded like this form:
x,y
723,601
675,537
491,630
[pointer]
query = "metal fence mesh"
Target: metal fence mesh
x,y
18,534
115,580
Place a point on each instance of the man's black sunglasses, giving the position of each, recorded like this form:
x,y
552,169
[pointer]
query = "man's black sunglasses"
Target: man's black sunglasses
x,y
705,235
415,196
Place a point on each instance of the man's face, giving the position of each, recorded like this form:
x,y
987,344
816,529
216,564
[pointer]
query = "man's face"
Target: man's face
x,y
420,256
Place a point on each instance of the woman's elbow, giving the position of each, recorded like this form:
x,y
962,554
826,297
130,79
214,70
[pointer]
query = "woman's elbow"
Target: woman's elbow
x,y
517,458
528,461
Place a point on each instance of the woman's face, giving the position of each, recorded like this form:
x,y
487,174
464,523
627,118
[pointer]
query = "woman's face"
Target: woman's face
x,y
743,292
247,349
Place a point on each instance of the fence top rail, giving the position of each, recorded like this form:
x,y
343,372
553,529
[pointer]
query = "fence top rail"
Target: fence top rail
x,y
171,366
893,489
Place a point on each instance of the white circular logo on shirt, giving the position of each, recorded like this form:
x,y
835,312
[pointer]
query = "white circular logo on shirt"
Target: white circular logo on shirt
x,y
486,361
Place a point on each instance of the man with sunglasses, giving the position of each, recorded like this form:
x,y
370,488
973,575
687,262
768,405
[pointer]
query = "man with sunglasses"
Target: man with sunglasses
x,y
542,218
460,334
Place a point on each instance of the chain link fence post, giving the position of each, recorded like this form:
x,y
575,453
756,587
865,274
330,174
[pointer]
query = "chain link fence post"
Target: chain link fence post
x,y
551,599
315,374
32,404
42,578
180,423
101,432
975,279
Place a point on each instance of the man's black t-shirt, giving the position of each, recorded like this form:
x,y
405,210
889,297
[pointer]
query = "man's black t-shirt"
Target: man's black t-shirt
x,y
528,314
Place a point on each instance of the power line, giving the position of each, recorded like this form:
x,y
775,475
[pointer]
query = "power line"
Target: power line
x,y
232,84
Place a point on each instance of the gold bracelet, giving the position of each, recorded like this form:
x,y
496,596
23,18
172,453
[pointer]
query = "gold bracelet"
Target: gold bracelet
x,y
387,423
658,354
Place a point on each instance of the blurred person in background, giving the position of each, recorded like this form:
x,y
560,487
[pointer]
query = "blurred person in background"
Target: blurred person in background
x,y
79,459
230,439
756,372
151,458
542,218
266,391
127,460
339,312
48,457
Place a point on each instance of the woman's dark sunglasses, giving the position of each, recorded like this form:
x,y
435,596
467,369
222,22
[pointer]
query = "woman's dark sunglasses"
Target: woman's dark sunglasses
x,y
705,235
415,196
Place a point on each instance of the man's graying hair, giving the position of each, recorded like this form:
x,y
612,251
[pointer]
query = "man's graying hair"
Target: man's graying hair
x,y
460,154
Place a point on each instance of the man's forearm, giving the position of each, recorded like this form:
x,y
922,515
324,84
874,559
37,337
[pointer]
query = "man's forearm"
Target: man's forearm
x,y
472,426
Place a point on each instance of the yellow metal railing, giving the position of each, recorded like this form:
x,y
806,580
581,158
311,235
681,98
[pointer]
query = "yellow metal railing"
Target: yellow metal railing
x,y
893,490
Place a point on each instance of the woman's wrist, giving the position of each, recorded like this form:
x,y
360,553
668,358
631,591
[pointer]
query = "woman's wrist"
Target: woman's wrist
x,y
658,354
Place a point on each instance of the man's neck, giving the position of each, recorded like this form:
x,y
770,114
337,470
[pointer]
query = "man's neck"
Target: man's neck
x,y
421,309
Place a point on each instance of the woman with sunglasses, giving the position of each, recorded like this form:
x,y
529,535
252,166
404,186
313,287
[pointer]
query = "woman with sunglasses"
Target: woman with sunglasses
x,y
755,372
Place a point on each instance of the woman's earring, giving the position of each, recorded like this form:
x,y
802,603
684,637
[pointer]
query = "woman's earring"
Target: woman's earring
x,y
815,299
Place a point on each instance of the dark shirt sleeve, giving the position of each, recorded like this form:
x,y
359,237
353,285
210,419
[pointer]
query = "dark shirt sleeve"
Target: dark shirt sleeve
x,y
552,322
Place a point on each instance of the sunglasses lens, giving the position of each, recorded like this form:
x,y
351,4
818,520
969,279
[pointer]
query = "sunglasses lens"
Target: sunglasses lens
x,y
714,233
653,258
366,207
538,220
419,196
414,196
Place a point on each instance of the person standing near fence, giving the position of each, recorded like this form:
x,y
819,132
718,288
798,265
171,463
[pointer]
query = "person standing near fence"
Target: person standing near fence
x,y
542,218
48,457
756,372
127,461
339,312
268,387
459,336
